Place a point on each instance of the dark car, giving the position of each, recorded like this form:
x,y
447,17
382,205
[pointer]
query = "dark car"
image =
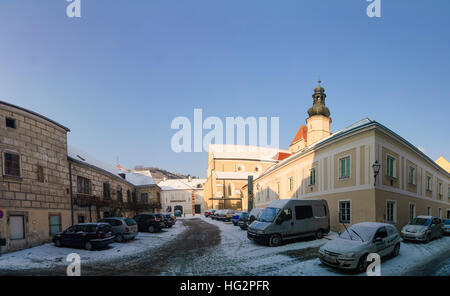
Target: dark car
x,y
167,218
86,235
247,219
149,222
236,217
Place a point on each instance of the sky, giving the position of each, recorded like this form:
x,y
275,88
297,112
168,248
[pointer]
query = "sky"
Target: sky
x,y
121,73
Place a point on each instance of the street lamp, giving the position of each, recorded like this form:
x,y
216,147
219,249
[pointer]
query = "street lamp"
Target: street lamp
x,y
376,170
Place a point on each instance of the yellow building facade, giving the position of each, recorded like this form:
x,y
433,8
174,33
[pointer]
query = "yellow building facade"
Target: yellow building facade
x,y
338,167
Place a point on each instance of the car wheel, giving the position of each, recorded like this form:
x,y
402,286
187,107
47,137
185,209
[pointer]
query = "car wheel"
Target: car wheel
x,y
362,264
428,239
88,246
275,240
442,234
58,243
396,250
151,229
119,238
319,234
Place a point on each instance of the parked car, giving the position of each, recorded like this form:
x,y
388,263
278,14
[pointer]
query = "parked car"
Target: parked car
x,y
236,217
290,218
177,213
350,249
227,215
149,222
86,235
423,228
168,220
247,219
446,226
216,214
209,212
123,228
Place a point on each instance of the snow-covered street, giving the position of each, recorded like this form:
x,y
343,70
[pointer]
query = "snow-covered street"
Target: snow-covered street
x,y
201,246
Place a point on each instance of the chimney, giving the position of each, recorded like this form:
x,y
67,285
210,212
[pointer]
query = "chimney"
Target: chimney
x,y
189,178
123,175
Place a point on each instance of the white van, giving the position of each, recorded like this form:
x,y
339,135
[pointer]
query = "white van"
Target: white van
x,y
290,218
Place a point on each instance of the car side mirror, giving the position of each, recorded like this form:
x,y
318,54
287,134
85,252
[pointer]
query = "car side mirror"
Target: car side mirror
x,y
279,220
377,240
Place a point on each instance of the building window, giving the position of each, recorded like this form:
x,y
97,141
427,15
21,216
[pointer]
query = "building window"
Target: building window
x,y
10,122
412,175
40,174
80,219
390,167
428,211
428,183
11,164
291,184
83,185
412,211
390,212
344,211
440,189
312,177
344,167
16,227
106,191
440,213
119,193
144,197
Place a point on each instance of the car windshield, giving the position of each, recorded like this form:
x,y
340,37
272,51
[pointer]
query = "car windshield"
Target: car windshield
x,y
447,222
357,232
420,221
130,222
268,215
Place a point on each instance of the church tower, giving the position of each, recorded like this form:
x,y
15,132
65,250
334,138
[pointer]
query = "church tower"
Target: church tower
x,y
319,117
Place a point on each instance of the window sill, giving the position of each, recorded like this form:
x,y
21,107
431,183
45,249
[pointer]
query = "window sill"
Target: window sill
x,y
13,177
344,178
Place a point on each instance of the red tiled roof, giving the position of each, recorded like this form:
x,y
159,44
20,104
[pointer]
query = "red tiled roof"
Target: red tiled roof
x,y
302,133
281,155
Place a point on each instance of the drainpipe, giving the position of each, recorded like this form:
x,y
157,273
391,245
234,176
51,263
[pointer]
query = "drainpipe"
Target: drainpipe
x,y
71,190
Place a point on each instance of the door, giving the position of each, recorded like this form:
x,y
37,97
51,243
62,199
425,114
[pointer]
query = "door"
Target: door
x,y
55,224
198,209
380,241
287,224
17,227
67,238
304,220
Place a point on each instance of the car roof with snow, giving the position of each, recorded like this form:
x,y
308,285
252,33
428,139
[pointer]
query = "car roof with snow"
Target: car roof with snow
x,y
426,217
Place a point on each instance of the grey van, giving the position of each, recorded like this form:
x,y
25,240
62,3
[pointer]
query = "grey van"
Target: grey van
x,y
290,218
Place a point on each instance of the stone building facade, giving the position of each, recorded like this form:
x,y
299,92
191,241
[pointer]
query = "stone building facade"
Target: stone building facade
x,y
185,195
34,183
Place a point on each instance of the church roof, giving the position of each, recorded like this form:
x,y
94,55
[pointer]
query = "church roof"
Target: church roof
x,y
302,133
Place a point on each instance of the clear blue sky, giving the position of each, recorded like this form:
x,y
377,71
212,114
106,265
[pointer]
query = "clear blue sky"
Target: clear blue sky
x,y
120,74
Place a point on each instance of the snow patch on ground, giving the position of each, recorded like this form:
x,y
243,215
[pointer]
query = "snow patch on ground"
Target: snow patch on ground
x,y
48,255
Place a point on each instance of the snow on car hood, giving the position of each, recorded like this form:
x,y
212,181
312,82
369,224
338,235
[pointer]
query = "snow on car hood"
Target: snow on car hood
x,y
342,246
415,228
257,225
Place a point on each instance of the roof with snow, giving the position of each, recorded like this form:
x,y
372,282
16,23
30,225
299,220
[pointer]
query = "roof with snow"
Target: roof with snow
x,y
224,151
234,175
143,178
182,184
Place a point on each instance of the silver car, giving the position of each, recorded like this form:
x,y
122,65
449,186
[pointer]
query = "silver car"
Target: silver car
x,y
423,228
446,227
351,248
123,228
